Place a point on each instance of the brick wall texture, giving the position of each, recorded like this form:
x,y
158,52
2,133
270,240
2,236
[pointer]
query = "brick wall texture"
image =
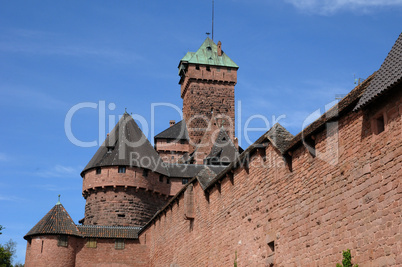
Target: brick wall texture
x,y
346,197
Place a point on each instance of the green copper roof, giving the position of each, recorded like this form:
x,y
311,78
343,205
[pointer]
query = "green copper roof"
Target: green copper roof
x,y
207,54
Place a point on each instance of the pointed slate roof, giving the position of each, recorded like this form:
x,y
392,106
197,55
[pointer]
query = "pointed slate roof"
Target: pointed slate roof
x,y
223,150
207,54
279,137
176,132
389,74
126,145
57,221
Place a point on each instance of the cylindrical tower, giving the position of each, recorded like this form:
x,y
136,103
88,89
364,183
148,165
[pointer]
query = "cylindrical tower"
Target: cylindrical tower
x,y
122,182
53,240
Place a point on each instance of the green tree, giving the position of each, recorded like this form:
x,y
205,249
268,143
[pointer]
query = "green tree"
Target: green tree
x,y
7,252
347,260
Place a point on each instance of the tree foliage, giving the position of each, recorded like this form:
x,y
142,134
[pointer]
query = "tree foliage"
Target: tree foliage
x,y
7,252
347,260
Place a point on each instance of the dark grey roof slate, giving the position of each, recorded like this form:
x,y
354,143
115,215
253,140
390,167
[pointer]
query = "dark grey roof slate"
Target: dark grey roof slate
x,y
99,231
57,221
279,137
205,176
389,74
223,150
126,142
190,170
177,132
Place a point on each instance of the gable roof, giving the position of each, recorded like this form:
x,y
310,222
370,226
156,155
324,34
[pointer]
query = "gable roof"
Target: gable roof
x,y
207,55
57,221
126,142
176,132
223,150
389,74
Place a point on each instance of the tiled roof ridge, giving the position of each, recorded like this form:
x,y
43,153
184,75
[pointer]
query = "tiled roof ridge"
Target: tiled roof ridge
x,y
171,133
389,74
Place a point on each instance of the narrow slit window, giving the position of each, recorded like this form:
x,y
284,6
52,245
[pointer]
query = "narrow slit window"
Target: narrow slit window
x,y
379,124
98,170
145,173
161,178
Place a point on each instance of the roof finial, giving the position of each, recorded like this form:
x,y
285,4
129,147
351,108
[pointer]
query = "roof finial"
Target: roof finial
x,y
125,111
58,202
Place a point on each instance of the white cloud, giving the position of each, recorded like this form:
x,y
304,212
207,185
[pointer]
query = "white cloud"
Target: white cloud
x,y
59,171
3,157
11,198
326,7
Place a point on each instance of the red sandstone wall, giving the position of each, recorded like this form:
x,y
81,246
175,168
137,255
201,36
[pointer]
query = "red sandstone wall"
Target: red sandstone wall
x,y
105,254
326,205
43,251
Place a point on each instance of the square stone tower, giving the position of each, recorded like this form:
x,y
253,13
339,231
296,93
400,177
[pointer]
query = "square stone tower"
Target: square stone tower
x,y
207,79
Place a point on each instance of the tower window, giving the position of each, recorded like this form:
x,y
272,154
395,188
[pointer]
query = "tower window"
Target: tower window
x,y
98,170
229,70
208,68
184,181
218,69
197,67
145,173
161,178
91,242
122,169
119,243
379,124
62,241
167,180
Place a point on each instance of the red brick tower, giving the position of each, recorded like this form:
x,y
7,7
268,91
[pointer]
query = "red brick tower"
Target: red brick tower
x,y
207,79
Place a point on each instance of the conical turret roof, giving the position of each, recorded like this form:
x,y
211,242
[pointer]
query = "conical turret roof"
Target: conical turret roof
x,y
126,145
57,221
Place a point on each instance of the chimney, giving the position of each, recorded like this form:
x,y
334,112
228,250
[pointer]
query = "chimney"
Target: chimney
x,y
171,123
219,48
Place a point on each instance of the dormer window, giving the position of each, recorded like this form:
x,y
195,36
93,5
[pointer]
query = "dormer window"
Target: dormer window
x,y
109,149
122,169
98,170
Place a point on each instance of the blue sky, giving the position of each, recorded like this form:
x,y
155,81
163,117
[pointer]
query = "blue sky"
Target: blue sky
x,y
295,56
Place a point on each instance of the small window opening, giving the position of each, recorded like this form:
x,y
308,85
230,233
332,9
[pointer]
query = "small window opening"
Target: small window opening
x,y
122,169
182,142
184,181
121,215
229,70
167,180
145,173
41,248
161,178
98,170
218,69
62,241
172,157
197,67
91,242
271,245
168,141
208,68
379,124
119,243
109,149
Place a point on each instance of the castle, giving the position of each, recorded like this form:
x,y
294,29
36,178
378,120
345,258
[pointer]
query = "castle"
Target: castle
x,y
196,198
